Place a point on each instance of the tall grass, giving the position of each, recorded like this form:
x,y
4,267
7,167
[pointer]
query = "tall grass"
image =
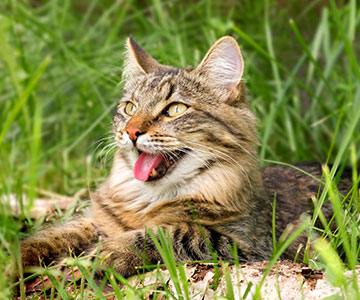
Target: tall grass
x,y
60,65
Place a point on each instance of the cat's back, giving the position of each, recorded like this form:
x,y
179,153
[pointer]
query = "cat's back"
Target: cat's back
x,y
295,189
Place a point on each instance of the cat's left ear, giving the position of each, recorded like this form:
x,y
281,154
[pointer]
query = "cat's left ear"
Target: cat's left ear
x,y
223,65
139,62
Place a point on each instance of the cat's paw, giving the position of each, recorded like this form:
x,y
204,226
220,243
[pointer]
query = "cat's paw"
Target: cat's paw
x,y
114,254
33,253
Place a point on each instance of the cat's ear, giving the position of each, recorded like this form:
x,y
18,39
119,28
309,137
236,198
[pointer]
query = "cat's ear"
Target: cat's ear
x,y
223,64
139,62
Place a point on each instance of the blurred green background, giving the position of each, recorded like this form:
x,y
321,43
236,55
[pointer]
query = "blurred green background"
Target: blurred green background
x,y
60,73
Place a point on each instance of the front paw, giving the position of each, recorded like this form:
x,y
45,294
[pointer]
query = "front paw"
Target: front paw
x,y
34,253
112,254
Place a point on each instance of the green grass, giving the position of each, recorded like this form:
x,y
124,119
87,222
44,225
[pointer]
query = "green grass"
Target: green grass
x,y
60,66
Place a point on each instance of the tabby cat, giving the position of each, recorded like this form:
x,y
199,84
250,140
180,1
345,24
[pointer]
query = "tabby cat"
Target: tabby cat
x,y
186,163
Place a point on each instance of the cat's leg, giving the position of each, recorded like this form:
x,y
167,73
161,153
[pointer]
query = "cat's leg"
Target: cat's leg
x,y
51,243
129,250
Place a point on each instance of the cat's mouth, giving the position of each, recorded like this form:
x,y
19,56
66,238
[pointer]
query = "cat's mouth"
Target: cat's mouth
x,y
151,166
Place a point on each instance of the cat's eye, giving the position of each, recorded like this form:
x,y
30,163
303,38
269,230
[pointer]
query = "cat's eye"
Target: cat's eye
x,y
176,109
130,108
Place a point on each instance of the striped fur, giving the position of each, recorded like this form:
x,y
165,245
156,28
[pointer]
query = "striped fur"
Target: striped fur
x,y
213,195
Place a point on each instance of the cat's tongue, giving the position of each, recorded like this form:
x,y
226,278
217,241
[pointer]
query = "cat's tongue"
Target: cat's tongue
x,y
145,164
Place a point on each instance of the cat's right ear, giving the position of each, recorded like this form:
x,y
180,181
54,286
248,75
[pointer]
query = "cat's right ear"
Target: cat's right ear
x,y
223,66
138,62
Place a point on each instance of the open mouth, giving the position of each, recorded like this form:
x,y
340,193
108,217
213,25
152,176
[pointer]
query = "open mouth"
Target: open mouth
x,y
151,166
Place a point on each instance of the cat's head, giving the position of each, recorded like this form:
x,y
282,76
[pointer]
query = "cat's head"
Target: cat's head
x,y
174,124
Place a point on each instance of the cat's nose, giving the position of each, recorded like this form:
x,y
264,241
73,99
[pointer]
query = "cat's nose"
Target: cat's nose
x,y
134,133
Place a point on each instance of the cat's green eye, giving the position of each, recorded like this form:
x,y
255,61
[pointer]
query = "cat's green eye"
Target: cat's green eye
x,y
130,108
176,109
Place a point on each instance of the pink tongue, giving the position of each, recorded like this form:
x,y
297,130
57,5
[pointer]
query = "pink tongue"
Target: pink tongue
x,y
145,164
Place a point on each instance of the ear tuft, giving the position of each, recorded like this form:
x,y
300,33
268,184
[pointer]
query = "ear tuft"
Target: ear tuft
x,y
139,62
223,64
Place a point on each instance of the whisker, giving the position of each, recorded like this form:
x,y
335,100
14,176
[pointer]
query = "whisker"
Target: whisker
x,y
169,147
223,156
110,150
203,161
184,150
199,150
109,147
101,140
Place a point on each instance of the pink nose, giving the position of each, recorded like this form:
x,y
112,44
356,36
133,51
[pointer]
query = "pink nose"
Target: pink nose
x,y
133,133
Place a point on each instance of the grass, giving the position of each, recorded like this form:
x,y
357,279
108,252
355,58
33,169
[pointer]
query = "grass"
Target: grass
x,y
60,65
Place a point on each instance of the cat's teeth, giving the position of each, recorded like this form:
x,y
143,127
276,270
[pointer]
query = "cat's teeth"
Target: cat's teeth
x,y
153,173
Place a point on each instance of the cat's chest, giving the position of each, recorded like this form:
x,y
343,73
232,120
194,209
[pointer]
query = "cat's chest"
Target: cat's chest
x,y
113,219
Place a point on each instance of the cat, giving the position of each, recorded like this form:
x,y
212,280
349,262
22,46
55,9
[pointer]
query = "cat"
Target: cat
x,y
186,163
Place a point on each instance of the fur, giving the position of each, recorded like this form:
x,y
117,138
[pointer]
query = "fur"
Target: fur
x,y
213,196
